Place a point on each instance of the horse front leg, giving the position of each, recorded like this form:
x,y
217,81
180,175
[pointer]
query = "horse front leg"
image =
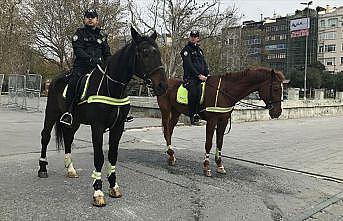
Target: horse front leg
x,y
68,137
221,126
97,139
174,118
114,138
210,126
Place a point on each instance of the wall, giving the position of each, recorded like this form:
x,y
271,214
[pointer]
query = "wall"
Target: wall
x,y
148,107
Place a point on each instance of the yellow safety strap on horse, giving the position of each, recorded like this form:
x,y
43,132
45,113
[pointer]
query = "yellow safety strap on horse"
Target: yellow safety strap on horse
x,y
96,175
64,94
83,95
218,153
220,81
219,109
110,169
108,100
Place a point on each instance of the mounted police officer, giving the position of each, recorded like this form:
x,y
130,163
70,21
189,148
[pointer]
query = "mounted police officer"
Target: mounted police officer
x,y
90,49
195,71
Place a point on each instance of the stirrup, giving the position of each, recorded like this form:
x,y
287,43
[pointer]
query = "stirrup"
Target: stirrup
x,y
67,119
129,118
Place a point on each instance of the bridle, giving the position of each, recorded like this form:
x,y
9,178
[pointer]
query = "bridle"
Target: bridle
x,y
146,77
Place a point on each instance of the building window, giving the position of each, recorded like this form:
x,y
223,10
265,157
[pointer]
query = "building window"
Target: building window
x,y
275,47
332,22
321,49
330,48
322,23
341,60
327,36
330,61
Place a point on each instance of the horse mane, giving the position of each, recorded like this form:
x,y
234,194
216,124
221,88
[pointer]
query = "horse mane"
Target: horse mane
x,y
258,74
121,63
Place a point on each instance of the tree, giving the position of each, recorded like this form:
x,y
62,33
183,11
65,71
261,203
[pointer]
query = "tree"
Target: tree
x,y
14,41
175,18
339,81
55,21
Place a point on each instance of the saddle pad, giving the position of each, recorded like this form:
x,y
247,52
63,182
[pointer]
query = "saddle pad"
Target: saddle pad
x,y
182,94
83,87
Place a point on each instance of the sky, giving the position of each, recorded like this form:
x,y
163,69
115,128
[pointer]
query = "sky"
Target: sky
x,y
252,9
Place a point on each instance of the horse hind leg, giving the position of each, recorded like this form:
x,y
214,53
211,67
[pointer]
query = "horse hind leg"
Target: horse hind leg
x,y
50,119
68,137
210,126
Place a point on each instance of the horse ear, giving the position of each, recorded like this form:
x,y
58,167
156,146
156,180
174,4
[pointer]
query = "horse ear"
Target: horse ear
x,y
135,35
154,35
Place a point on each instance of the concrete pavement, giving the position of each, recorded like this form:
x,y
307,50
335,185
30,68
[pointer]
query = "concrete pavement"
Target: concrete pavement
x,y
154,191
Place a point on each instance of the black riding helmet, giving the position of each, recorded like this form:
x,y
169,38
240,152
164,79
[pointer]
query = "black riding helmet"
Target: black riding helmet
x,y
91,13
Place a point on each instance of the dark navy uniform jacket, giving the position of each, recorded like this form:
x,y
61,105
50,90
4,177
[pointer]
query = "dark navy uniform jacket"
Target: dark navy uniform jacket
x,y
193,62
90,47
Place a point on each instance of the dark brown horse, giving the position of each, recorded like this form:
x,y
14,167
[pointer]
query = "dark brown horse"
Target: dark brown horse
x,y
222,92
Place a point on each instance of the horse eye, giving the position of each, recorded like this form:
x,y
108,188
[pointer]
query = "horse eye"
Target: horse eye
x,y
145,51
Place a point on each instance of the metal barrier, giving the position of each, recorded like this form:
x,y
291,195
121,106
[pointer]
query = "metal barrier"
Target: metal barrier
x,y
1,83
24,91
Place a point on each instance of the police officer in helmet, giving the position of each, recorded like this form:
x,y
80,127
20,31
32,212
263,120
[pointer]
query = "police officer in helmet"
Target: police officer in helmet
x,y
90,49
195,71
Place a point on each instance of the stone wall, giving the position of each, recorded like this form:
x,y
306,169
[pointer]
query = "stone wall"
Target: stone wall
x,y
148,107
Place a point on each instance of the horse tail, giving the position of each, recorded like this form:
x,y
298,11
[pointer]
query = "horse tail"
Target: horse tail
x,y
59,136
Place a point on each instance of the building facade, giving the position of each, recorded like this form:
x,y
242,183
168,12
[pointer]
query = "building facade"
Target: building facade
x,y
330,42
276,43
296,48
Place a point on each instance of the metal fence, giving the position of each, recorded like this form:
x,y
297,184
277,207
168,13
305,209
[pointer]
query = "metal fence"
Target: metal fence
x,y
24,91
1,83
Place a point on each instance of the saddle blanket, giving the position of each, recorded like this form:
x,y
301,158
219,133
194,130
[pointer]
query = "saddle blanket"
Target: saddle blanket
x,y
182,94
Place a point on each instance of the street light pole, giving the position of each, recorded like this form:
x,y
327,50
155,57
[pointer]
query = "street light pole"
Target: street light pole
x,y
306,44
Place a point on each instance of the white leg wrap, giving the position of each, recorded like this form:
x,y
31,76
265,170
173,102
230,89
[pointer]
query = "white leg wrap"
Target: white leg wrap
x,y
96,175
206,157
43,159
67,160
98,193
110,169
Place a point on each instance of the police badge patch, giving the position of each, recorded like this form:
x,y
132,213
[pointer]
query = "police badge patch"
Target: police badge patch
x,y
75,37
185,53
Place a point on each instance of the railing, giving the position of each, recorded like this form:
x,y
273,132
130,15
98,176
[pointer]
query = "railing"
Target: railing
x,y
24,91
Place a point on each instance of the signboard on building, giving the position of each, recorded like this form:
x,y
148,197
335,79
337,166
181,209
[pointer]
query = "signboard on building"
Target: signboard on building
x,y
299,33
299,24
299,27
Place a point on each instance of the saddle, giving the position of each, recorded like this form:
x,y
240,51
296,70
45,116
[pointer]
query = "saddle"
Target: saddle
x,y
82,87
182,94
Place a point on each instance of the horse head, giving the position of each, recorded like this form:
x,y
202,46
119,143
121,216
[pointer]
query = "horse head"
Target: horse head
x,y
148,65
271,91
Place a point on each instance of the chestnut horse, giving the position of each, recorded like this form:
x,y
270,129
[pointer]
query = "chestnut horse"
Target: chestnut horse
x,y
222,92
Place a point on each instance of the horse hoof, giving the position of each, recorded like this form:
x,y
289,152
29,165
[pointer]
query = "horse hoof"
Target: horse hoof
x,y
114,192
221,170
208,173
42,174
72,175
171,161
99,201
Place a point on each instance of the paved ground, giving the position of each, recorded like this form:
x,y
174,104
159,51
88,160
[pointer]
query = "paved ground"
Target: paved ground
x,y
155,191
